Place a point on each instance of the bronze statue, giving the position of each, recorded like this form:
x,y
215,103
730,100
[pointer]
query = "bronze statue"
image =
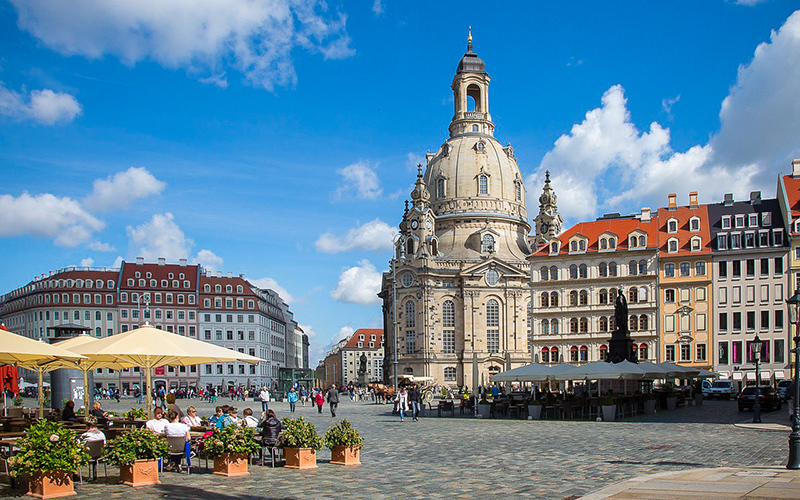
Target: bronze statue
x,y
362,366
621,311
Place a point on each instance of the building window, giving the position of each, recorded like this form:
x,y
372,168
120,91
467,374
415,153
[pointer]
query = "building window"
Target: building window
x,y
448,341
672,245
483,184
685,269
449,374
493,326
686,352
722,241
669,270
487,243
694,224
411,320
602,269
700,352
411,342
672,226
700,268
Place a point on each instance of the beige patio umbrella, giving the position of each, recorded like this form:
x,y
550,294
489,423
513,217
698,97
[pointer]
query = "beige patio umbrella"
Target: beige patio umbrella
x,y
149,347
36,355
88,364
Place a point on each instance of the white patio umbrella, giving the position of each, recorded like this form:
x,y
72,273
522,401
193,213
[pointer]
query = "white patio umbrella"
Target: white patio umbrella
x,y
678,371
533,372
149,347
602,370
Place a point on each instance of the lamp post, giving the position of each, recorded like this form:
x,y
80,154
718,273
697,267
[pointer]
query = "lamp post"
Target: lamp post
x,y
756,349
794,437
139,299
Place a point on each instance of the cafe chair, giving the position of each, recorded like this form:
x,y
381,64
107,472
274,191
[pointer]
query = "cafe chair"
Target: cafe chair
x,y
177,446
95,457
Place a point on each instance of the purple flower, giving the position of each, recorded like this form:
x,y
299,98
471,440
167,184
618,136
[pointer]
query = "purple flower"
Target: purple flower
x,y
53,438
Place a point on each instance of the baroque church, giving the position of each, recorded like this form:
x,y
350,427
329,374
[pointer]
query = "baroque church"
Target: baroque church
x,y
457,298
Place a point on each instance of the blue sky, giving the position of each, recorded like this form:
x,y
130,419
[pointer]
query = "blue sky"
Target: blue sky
x,y
278,139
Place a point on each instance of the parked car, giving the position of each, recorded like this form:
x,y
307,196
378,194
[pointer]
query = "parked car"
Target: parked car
x,y
721,389
782,387
706,384
767,396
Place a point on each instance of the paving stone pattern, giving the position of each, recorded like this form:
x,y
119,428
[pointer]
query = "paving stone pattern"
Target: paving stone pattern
x,y
472,458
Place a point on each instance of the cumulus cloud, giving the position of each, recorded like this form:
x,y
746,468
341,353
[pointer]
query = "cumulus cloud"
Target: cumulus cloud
x,y
667,103
99,246
209,260
45,215
374,235
343,333
359,180
606,163
42,106
204,37
121,190
359,285
159,237
271,284
308,330
377,7
87,262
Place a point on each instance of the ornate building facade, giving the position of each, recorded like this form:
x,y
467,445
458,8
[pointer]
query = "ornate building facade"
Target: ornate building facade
x,y
456,298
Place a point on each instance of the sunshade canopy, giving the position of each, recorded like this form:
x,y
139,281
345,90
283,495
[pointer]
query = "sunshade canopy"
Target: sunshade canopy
x,y
29,353
533,372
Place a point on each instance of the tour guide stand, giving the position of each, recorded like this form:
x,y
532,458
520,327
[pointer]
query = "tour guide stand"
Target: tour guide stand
x,y
794,437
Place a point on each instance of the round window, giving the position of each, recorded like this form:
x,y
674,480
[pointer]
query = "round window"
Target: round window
x,y
408,278
492,277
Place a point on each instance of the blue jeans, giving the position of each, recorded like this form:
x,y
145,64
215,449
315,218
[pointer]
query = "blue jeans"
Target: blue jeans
x,y
400,409
292,405
264,406
415,409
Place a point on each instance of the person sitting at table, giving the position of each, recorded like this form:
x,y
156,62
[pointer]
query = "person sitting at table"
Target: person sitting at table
x,y
174,428
172,406
270,428
216,417
192,420
249,420
225,420
157,423
92,432
233,414
68,413
97,410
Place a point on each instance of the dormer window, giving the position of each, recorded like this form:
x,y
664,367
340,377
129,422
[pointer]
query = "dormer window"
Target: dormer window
x,y
722,241
487,243
766,219
726,222
554,248
739,221
672,226
752,220
582,245
696,243
694,224
633,241
672,245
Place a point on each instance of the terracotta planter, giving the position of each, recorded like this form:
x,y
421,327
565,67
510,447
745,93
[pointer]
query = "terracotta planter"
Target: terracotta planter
x,y
51,484
345,455
141,473
233,464
300,458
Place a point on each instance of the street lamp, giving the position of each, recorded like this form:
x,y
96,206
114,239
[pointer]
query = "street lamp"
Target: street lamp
x,y
756,349
794,437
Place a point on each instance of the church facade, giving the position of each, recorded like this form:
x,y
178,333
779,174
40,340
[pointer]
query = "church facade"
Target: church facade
x,y
456,299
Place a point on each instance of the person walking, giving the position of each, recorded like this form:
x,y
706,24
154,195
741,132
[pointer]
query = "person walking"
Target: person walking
x,y
303,395
292,397
413,398
333,399
264,396
319,400
402,403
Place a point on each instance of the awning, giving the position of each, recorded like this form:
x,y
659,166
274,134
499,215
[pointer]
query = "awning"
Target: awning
x,y
738,375
751,375
724,375
779,374
766,374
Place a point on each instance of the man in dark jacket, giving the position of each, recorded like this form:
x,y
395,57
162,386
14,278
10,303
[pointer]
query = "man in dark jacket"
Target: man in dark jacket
x,y
333,399
413,400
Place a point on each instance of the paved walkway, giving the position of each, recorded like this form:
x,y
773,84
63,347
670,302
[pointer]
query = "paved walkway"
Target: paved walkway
x,y
473,458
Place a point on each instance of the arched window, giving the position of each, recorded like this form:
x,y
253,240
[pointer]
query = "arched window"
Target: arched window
x,y
633,268
487,243
544,299
448,314
632,323
553,273
573,271
642,266
493,326
553,299
633,295
603,296
582,245
554,326
228,289
573,325
573,246
434,247
612,295
483,184
583,298
643,322
573,298
584,356
554,247
544,273
642,294
642,351
583,271
545,327
518,190
411,314
410,246
603,244
584,325
206,287
573,354
612,323
603,353
218,288
440,188
634,242
612,269
603,324
449,374
602,269
545,355
554,355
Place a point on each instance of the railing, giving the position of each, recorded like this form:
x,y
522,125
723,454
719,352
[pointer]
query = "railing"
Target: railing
x,y
474,115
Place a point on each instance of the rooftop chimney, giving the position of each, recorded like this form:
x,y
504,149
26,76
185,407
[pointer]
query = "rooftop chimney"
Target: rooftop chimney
x,y
162,261
728,200
230,274
139,261
755,197
693,199
645,216
183,262
673,201
796,167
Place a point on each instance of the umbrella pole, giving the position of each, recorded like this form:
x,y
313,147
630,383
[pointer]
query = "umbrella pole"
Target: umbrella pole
x,y
41,393
86,397
149,400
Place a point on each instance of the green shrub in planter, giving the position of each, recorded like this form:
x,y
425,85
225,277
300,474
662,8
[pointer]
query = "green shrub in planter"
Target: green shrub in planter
x,y
343,434
135,413
48,447
138,444
231,440
297,433
17,401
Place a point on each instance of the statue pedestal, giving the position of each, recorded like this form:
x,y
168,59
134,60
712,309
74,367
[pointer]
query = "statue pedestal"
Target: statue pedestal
x,y
620,347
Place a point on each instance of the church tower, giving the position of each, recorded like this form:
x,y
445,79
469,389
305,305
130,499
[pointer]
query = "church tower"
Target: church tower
x,y
456,298
548,223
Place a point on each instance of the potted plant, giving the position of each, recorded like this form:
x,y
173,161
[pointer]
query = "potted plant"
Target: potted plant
x,y
300,443
136,452
345,443
672,399
231,448
49,454
649,404
609,408
135,414
535,410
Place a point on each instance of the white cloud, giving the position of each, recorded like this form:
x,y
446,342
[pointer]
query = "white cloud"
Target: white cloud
x,y
377,7
209,260
45,215
87,262
361,180
375,235
667,103
42,106
118,262
271,284
343,333
204,37
308,330
121,190
749,2
98,246
359,285
160,237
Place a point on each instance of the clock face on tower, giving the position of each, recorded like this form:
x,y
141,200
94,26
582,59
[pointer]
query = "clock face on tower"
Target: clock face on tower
x,y
414,224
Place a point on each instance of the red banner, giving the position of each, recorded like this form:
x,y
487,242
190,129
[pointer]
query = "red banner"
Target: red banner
x,y
160,370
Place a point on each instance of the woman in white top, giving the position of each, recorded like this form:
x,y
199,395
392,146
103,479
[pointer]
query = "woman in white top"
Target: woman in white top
x,y
174,428
191,419
249,420
402,402
157,423
92,432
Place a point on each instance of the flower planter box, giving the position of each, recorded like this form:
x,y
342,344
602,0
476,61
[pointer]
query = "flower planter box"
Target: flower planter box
x,y
300,458
141,473
234,464
672,403
650,407
345,455
51,485
609,412
535,412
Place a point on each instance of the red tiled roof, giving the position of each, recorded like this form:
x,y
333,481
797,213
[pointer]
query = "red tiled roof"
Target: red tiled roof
x,y
352,342
682,215
621,227
792,187
158,272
